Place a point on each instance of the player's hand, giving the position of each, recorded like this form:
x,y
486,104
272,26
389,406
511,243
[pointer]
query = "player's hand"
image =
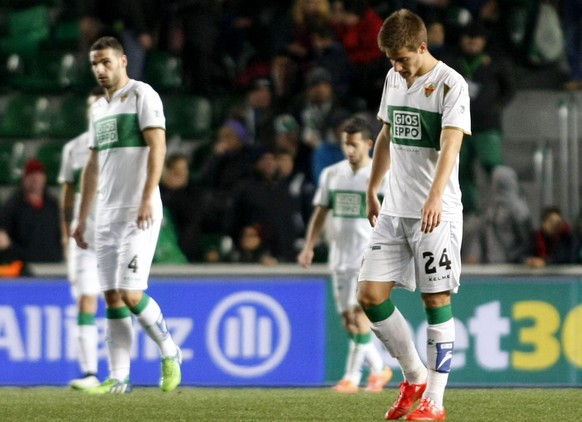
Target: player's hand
x,y
145,217
431,214
79,235
373,206
305,258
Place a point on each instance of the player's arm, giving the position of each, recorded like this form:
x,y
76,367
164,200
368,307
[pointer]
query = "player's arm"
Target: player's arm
x,y
451,140
314,229
67,204
89,180
156,140
380,166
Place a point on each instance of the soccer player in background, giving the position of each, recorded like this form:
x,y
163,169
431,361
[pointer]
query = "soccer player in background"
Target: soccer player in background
x,y
418,227
128,149
342,189
81,263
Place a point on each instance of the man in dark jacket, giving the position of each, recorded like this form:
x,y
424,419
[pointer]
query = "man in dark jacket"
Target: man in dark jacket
x,y
30,217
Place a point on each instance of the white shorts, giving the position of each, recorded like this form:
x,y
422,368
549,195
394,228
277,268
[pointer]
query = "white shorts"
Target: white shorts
x,y
345,284
125,254
82,270
399,252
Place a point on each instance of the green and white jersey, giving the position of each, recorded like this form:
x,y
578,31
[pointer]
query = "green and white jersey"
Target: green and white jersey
x,y
344,193
439,99
117,133
74,156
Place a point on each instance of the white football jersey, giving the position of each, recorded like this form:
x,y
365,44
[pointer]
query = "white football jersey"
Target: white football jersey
x,y
344,193
74,156
116,128
438,99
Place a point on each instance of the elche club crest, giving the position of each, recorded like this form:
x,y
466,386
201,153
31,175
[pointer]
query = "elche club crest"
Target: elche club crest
x,y
429,89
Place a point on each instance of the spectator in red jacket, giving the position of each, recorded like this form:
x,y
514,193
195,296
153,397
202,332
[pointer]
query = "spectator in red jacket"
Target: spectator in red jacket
x,y
357,26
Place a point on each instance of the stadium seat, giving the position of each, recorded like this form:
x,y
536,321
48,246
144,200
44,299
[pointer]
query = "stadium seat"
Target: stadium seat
x,y
188,116
47,72
50,153
26,116
70,117
163,72
27,29
12,157
221,106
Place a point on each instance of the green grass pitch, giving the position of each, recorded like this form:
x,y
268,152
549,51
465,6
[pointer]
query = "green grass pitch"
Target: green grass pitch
x,y
279,404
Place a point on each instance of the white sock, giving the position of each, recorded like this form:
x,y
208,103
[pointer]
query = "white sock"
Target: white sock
x,y
373,357
153,323
119,340
88,348
395,334
355,362
441,339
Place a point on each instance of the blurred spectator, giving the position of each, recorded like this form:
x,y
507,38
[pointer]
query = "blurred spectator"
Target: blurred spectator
x,y
198,22
330,151
572,21
578,239
506,225
229,163
293,45
287,137
31,218
185,203
264,200
316,107
299,186
436,37
491,87
552,242
257,111
11,262
295,35
251,248
357,25
133,22
330,55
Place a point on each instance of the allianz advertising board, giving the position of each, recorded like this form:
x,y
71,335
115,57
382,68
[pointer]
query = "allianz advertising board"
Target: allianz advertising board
x,y
232,332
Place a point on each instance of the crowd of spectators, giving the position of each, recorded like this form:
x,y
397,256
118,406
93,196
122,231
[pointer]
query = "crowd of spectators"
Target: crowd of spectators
x,y
297,69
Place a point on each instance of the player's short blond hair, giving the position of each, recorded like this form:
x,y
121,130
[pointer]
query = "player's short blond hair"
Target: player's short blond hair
x,y
402,29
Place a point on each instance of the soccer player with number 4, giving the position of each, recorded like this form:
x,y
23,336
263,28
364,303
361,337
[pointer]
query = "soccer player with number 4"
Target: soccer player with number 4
x,y
128,148
418,228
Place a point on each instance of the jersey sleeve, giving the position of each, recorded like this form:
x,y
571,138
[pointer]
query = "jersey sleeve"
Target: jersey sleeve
x,y
456,105
321,197
150,110
383,110
66,173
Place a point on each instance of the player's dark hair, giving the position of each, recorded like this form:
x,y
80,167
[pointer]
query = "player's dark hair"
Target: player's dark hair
x,y
107,42
174,158
357,124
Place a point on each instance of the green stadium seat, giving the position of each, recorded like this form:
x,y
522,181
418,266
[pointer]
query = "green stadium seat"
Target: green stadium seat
x,y
50,153
70,117
163,71
188,116
12,157
27,29
26,116
48,72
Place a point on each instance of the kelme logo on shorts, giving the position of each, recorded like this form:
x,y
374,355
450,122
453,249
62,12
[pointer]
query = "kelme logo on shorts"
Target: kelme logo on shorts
x,y
407,125
106,132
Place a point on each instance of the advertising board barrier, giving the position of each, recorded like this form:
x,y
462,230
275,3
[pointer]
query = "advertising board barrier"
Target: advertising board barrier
x,y
285,331
232,332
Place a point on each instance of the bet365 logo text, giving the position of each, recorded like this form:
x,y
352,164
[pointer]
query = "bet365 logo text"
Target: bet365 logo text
x,y
533,337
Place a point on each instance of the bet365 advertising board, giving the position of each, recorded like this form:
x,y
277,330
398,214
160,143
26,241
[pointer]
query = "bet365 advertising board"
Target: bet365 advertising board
x,y
284,331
